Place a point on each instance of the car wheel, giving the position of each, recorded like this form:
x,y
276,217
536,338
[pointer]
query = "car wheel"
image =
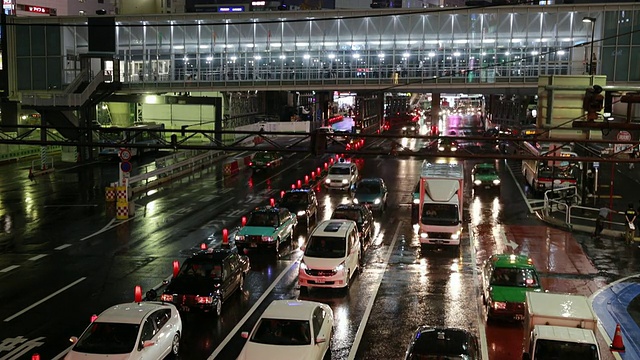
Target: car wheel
x,y
175,346
348,281
219,306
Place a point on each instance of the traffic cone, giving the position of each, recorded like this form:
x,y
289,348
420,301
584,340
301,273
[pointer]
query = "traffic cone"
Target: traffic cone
x,y
617,344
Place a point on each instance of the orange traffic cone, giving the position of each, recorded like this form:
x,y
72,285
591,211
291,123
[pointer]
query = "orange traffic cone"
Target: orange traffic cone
x,y
617,344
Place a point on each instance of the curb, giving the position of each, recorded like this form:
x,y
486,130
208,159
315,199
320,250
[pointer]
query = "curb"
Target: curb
x,y
576,228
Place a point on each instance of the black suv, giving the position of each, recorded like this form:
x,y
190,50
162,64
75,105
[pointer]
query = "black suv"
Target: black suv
x,y
206,280
361,214
303,203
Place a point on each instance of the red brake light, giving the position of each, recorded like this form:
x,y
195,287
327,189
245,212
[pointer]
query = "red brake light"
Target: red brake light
x,y
250,163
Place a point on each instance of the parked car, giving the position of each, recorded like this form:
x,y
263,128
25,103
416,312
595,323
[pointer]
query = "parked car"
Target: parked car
x,y
267,228
206,280
303,203
371,192
290,329
505,280
144,330
265,160
485,176
446,144
443,343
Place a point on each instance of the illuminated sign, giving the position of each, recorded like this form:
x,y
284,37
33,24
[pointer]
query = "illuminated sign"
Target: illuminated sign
x,y
37,9
259,3
231,9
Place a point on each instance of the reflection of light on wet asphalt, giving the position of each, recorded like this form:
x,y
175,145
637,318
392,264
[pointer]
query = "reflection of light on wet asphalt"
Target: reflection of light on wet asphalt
x,y
378,234
341,323
328,208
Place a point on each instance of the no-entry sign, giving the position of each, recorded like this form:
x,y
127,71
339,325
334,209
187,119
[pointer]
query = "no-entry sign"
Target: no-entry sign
x,y
623,135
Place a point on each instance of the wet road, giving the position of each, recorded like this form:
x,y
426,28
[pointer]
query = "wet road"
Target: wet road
x,y
66,258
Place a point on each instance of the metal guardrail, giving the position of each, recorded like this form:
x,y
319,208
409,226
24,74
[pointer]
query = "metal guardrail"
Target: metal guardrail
x,y
171,167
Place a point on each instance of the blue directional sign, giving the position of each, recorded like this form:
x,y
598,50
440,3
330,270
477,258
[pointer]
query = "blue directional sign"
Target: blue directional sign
x,y
125,166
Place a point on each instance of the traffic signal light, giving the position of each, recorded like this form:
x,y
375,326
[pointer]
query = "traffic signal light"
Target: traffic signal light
x,y
318,143
593,102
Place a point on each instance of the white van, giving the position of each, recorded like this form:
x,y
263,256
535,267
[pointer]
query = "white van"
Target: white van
x,y
342,176
331,256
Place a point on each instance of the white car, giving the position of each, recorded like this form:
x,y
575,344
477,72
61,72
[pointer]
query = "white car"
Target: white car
x,y
342,176
290,329
145,330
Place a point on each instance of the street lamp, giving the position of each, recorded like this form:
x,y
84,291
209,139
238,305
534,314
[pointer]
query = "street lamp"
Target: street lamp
x,y
592,21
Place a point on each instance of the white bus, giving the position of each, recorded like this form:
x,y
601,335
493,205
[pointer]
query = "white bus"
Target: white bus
x,y
112,139
542,175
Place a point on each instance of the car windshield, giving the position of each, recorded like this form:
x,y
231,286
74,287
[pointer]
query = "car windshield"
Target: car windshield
x,y
282,332
558,350
297,198
485,171
108,338
263,157
339,170
368,187
440,214
201,269
523,277
263,218
347,214
326,247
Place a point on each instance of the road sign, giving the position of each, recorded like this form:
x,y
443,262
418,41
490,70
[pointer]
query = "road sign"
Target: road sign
x,y
125,154
623,135
596,164
125,166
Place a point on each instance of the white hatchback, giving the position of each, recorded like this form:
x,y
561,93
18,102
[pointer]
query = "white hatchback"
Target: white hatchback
x,y
145,330
290,329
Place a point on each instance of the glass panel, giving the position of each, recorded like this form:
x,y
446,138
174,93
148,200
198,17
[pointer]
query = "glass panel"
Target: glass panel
x,y
634,71
610,28
608,63
54,47
622,64
38,45
54,73
23,41
24,74
39,72
624,27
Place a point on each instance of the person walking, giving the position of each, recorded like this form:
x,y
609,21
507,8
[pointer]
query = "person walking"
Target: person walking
x,y
630,216
603,214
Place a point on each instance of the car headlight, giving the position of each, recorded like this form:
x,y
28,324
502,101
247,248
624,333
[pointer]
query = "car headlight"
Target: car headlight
x,y
499,305
301,213
453,148
339,267
204,299
166,297
455,236
376,201
303,266
413,128
267,238
327,181
239,237
496,182
477,182
441,148
345,181
416,201
355,200
424,235
404,128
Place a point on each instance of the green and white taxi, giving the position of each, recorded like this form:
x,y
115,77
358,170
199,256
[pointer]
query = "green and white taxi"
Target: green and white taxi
x,y
485,176
265,160
266,228
506,278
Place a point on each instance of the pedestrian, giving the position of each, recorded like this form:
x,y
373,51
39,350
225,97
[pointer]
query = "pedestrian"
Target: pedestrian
x,y
630,216
603,213
591,181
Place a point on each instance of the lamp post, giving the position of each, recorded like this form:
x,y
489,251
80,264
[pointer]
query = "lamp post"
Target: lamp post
x,y
592,21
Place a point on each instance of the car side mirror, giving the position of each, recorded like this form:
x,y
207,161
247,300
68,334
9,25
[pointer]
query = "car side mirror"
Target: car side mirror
x,y
148,343
73,339
244,334
321,339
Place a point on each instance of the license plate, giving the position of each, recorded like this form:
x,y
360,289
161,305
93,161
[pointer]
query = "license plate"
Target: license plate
x,y
185,308
254,245
487,187
320,281
519,317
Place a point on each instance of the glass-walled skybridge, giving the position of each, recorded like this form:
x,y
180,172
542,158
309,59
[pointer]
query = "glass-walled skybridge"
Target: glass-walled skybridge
x,y
453,49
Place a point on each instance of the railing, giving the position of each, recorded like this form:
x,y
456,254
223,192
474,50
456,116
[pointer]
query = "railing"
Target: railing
x,y
560,199
64,99
82,77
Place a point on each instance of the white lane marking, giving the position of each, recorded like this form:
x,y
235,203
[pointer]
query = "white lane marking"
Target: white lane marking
x,y
37,257
367,312
63,246
44,299
9,268
526,201
105,228
251,311
481,329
